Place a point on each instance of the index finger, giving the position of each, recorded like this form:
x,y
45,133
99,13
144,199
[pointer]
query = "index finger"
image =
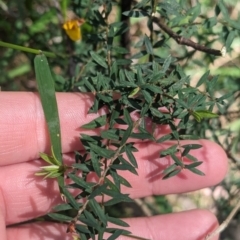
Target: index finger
x,y
23,130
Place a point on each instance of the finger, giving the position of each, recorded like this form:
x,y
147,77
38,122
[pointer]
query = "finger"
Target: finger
x,y
191,225
150,172
23,128
36,197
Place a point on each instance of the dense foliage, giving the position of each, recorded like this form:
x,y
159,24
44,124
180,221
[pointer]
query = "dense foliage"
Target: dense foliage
x,y
152,59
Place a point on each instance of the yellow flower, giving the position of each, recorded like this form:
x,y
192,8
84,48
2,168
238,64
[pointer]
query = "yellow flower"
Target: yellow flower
x,y
72,29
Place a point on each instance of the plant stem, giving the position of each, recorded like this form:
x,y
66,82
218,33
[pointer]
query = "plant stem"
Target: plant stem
x,y
27,49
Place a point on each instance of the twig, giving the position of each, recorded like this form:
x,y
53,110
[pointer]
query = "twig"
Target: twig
x,y
185,41
224,223
143,206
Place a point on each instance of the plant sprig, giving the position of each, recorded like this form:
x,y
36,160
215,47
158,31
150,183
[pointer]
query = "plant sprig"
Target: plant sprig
x,y
155,89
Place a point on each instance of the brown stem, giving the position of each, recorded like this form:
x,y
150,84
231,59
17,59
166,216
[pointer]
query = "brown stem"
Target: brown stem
x,y
185,41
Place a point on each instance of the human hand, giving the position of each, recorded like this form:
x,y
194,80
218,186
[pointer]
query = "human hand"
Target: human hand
x,y
24,196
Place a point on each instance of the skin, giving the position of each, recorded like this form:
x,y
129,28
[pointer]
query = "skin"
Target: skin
x,y
24,196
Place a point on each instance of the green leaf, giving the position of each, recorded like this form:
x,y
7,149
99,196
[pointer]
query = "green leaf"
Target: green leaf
x,y
116,177
197,171
100,151
140,75
126,134
142,136
170,169
111,134
120,50
130,156
127,117
123,62
134,92
113,194
147,96
117,221
98,191
70,198
229,40
125,232
63,207
130,76
155,112
96,123
177,160
192,146
170,150
152,88
164,138
98,59
82,229
203,79
116,234
196,116
166,63
201,114
46,90
60,217
122,77
192,158
122,198
148,45
223,9
95,163
98,210
195,12
49,159
189,147
186,151
189,137
225,96
125,165
111,185
81,166
172,173
124,181
89,219
193,165
78,180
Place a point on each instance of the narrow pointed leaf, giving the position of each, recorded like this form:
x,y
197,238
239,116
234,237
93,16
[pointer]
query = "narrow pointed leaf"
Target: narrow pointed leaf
x,y
171,174
98,59
98,210
78,180
193,165
46,90
60,217
131,157
197,171
96,123
95,163
107,153
70,198
117,221
116,234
